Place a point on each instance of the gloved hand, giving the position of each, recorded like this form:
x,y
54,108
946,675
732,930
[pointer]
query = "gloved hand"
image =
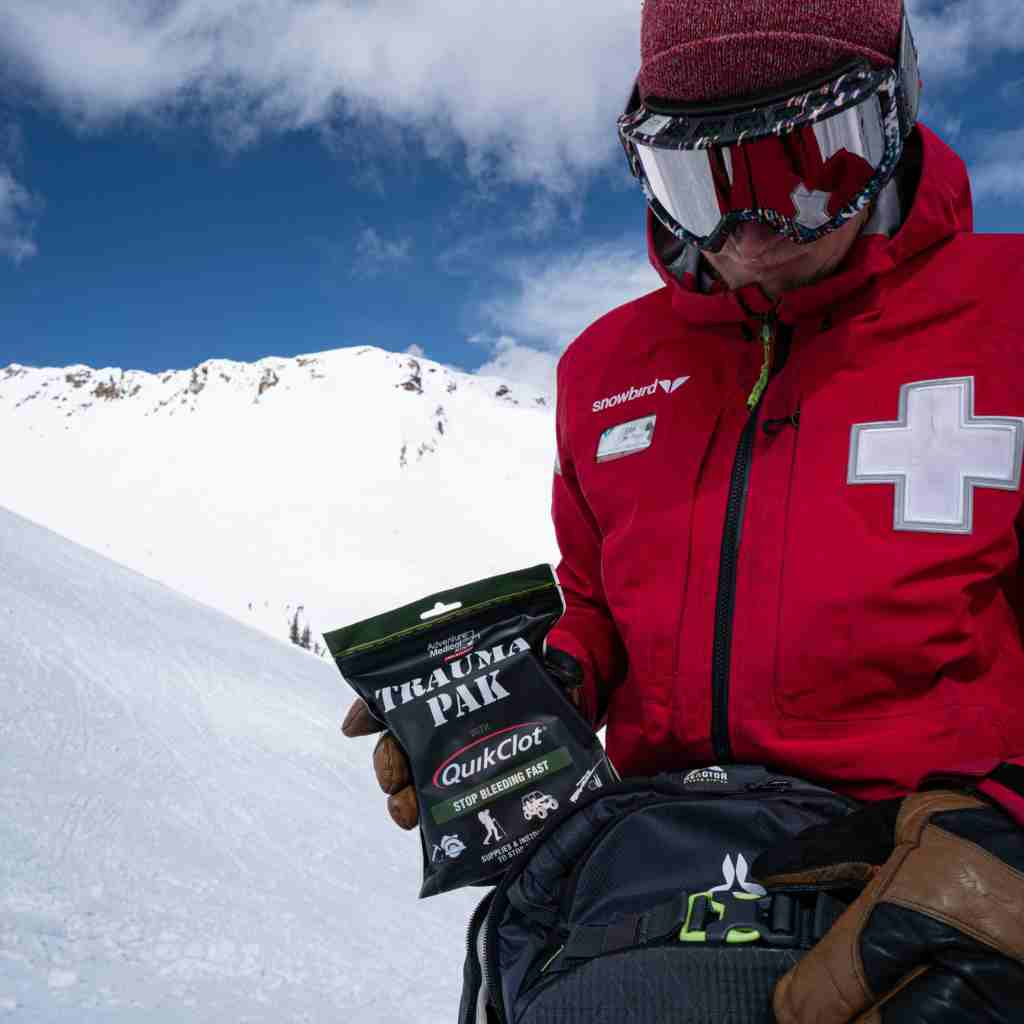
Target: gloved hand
x,y
937,934
391,766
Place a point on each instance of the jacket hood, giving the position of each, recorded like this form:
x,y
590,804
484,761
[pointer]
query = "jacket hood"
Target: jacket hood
x,y
939,208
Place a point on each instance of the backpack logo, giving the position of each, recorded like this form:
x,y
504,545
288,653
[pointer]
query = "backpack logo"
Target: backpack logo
x,y
735,873
701,776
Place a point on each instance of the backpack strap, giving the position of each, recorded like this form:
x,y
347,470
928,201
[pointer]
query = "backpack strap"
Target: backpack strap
x,y
587,941
782,920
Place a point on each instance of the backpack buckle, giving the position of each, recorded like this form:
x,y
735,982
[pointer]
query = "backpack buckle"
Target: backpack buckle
x,y
732,919
779,919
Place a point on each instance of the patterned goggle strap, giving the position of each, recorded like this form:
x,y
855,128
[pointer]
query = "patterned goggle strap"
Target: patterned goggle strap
x,y
804,164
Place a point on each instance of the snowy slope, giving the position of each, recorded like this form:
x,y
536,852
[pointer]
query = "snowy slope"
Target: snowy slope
x,y
346,482
184,834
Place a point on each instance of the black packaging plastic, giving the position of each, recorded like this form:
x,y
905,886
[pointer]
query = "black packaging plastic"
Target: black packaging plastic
x,y
494,744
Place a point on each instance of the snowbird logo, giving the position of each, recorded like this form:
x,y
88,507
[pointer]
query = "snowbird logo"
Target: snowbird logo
x,y
670,387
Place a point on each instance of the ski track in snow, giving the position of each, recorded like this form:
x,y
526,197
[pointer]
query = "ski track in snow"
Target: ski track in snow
x,y
185,834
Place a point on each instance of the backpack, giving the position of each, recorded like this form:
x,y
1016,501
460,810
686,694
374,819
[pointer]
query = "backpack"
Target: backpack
x,y
635,907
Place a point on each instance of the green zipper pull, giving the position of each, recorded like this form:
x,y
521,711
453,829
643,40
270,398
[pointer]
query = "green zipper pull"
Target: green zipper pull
x,y
768,342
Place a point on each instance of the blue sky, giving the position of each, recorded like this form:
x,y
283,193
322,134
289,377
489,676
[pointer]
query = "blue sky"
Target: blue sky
x,y
239,178
156,252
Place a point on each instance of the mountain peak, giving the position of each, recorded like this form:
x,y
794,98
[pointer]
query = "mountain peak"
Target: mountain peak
x,y
73,391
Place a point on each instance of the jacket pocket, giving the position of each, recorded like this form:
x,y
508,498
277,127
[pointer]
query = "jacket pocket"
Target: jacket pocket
x,y
644,505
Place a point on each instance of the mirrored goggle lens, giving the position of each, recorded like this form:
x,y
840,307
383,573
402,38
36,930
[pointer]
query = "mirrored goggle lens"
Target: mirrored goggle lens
x,y
806,176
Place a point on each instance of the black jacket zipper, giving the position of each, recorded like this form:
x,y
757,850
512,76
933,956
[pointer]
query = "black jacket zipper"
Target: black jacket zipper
x,y
775,337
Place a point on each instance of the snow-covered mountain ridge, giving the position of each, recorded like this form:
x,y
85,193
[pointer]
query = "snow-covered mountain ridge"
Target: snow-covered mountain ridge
x,y
344,482
73,390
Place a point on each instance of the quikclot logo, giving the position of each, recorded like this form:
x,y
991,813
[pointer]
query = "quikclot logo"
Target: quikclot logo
x,y
489,752
670,387
468,693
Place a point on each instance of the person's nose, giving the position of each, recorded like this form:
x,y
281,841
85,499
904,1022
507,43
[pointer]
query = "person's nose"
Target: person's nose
x,y
752,239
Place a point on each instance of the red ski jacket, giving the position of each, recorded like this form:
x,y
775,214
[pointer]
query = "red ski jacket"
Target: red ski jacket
x,y
830,584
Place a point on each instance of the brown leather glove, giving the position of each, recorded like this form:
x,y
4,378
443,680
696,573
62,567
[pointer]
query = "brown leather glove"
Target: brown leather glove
x,y
937,933
391,766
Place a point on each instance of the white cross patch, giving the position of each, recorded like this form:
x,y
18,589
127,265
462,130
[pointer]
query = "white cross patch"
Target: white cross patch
x,y
936,454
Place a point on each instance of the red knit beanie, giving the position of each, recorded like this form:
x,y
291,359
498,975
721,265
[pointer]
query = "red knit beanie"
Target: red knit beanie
x,y
695,50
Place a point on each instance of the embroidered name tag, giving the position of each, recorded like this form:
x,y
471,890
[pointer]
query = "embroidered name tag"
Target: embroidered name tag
x,y
626,439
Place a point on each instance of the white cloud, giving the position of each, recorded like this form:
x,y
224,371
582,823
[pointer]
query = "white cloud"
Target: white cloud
x,y
998,172
376,253
416,351
941,117
18,208
477,234
530,88
998,179
530,368
12,144
953,35
552,302
524,90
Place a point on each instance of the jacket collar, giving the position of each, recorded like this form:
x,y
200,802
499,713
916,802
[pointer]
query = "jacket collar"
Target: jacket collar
x,y
941,207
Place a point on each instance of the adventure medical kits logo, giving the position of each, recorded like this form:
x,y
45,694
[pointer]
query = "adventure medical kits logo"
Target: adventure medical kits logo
x,y
454,646
670,387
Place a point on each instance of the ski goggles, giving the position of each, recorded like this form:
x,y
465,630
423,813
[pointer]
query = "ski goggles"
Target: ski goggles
x,y
804,162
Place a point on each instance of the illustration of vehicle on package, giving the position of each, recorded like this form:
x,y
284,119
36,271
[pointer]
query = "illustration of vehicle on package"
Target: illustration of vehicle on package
x,y
537,805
